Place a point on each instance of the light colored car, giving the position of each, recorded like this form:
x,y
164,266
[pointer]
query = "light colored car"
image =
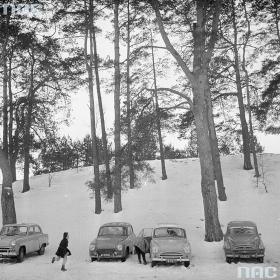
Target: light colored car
x,y
114,241
243,241
18,240
169,244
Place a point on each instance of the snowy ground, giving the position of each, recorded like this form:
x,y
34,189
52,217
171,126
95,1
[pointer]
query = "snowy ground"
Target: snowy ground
x,y
66,206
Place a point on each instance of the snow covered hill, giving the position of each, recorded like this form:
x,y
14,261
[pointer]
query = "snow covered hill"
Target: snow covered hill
x,y
67,206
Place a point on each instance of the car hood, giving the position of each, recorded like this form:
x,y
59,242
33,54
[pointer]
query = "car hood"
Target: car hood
x,y
108,242
244,239
6,240
169,244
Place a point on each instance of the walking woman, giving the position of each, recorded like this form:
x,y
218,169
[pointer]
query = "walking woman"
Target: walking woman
x,y
62,251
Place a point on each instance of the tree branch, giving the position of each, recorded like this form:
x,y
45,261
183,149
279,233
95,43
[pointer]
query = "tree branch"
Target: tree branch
x,y
168,44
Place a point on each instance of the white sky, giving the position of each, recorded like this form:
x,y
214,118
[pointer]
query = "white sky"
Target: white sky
x,y
80,124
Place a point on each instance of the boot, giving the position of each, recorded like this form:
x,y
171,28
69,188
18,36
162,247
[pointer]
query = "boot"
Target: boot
x,y
63,268
53,259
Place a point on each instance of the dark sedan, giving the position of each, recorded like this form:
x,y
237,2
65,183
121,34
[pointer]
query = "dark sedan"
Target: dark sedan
x,y
114,241
243,241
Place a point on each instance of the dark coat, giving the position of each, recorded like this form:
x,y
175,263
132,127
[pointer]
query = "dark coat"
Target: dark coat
x,y
142,244
63,248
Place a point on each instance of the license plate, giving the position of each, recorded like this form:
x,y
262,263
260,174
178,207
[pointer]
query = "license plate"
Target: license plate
x,y
245,256
170,261
105,255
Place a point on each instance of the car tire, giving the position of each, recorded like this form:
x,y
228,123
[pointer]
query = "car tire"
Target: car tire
x,y
42,250
123,259
187,263
21,255
261,260
93,259
228,260
153,264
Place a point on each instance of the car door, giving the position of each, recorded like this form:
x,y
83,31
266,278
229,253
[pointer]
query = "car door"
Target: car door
x,y
132,238
33,242
37,238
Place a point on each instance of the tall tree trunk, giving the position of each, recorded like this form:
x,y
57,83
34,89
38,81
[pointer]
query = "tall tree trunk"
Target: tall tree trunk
x,y
11,157
27,127
89,67
7,196
161,149
5,96
103,129
244,127
213,230
117,132
128,117
252,138
214,147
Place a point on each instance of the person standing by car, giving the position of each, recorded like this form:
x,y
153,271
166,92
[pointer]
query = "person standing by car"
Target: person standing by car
x,y
141,247
62,251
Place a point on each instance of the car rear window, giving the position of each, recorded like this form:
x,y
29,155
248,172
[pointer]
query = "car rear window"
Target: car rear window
x,y
112,230
243,230
169,232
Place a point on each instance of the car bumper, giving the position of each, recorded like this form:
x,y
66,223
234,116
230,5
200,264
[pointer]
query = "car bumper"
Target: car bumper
x,y
170,260
8,254
114,254
244,254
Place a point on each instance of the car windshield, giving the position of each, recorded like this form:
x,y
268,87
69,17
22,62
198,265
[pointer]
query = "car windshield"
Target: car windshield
x,y
169,232
118,231
14,230
243,230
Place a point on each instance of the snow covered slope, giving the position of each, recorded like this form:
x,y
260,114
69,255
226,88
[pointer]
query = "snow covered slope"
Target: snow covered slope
x,y
67,206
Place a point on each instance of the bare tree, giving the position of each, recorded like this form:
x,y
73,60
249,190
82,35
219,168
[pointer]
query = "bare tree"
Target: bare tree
x,y
163,169
102,120
203,50
128,101
117,132
89,67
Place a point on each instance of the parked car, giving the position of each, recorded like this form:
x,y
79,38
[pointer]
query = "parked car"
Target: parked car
x,y
169,244
243,241
18,240
114,241
147,234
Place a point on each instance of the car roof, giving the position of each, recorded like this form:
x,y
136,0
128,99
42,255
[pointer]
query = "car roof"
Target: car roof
x,y
115,224
169,225
241,224
22,224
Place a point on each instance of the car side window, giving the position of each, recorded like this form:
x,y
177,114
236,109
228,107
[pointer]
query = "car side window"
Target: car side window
x,y
129,230
37,229
31,230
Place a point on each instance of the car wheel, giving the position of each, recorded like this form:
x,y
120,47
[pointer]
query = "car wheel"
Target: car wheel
x,y
187,264
21,254
93,259
42,250
261,260
123,259
153,264
228,260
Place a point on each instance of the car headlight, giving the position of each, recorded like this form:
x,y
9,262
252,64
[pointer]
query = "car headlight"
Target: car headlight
x,y
13,243
119,247
155,250
92,247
